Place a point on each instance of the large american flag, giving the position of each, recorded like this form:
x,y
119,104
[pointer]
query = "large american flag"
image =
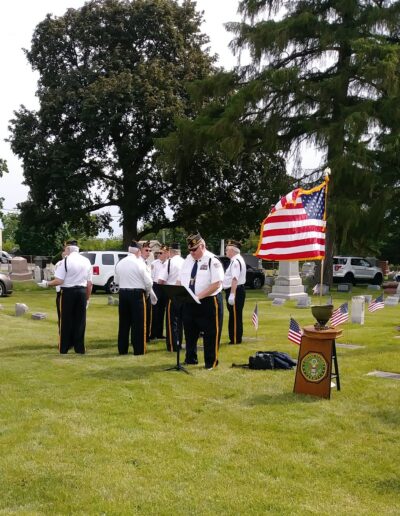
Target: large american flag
x,y
295,332
340,315
376,304
295,228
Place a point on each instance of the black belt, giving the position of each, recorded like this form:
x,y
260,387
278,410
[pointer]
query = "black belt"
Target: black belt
x,y
133,289
70,288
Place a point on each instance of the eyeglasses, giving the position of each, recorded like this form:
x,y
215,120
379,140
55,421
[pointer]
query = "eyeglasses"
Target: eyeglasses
x,y
194,250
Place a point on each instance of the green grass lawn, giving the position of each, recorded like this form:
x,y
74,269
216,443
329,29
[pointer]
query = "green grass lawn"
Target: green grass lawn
x,y
104,434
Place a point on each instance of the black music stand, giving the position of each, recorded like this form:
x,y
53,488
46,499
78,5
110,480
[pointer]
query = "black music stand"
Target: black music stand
x,y
180,295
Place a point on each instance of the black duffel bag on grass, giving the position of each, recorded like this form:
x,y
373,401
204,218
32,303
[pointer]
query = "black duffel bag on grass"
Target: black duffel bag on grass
x,y
263,360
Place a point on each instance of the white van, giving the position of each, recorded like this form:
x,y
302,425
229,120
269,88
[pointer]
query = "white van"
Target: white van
x,y
103,265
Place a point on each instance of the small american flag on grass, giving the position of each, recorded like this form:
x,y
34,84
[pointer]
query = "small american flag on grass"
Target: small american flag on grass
x,y
254,317
376,304
340,315
295,332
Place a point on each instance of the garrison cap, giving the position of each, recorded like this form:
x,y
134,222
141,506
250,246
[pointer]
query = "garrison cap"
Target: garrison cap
x,y
72,241
234,243
193,240
135,244
176,246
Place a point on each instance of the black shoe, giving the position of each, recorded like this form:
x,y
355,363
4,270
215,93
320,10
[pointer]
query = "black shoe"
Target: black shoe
x,y
191,362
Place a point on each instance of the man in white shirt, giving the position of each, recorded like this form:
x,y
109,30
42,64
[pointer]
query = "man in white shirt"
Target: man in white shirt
x,y
134,280
169,275
202,273
233,284
157,327
74,275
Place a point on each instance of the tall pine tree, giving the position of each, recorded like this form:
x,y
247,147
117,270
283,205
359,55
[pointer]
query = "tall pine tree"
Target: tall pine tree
x,y
323,74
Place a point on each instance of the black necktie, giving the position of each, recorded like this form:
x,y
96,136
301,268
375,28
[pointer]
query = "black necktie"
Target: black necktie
x,y
193,277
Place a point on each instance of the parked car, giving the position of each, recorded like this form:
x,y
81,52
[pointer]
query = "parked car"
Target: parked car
x,y
255,278
103,265
6,286
5,257
353,269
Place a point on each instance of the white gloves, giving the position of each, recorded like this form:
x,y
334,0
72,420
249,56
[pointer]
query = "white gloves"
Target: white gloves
x,y
231,299
153,297
43,284
87,304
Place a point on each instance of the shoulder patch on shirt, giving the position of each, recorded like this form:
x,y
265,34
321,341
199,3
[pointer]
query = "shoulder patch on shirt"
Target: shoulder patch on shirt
x,y
217,265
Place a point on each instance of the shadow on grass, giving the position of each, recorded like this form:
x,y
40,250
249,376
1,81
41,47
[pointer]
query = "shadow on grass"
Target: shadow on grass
x,y
281,399
130,372
14,351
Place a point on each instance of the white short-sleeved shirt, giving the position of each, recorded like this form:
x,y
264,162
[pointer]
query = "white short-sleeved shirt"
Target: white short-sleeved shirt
x,y
156,268
170,272
75,271
236,269
57,265
131,272
147,265
209,270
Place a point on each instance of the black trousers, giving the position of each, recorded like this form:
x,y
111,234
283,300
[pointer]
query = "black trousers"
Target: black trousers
x,y
72,319
174,325
207,318
132,321
58,298
235,324
157,326
149,316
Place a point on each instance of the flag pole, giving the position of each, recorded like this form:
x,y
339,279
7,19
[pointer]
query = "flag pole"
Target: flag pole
x,y
327,173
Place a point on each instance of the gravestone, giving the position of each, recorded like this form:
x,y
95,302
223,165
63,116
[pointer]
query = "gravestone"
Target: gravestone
x,y
344,287
20,309
391,301
367,298
357,309
112,301
47,273
374,287
278,301
39,315
19,269
37,274
304,302
288,284
317,289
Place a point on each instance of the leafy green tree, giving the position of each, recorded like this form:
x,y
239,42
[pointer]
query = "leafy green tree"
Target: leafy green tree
x,y
112,78
323,74
10,223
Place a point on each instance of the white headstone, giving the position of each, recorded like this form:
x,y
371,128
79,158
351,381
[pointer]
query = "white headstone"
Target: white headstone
x,y
278,301
288,284
37,274
374,287
368,299
304,302
20,309
357,309
392,301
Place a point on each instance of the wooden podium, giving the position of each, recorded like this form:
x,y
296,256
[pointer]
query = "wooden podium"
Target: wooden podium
x,y
314,366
